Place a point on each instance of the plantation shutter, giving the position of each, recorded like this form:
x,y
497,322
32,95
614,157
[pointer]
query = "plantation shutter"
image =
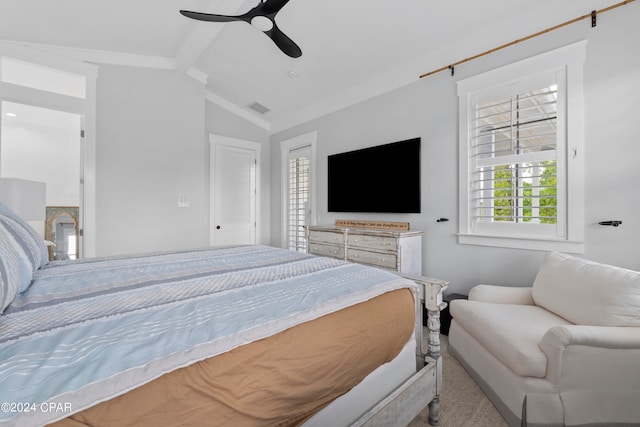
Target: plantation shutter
x,y
514,156
298,198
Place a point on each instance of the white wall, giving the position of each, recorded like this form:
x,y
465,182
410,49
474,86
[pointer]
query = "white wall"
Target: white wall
x,y
43,145
151,147
428,109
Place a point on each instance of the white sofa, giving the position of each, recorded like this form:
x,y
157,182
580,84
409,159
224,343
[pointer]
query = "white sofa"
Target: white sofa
x,y
565,351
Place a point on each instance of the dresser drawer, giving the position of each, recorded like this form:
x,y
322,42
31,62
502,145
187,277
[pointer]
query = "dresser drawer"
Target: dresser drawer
x,y
372,242
326,237
372,258
326,250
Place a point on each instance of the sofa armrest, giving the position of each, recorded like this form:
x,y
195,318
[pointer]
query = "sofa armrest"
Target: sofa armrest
x,y
501,294
602,356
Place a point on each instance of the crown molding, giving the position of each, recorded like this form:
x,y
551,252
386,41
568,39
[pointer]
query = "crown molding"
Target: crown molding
x,y
410,72
238,111
132,60
98,56
379,85
197,75
23,52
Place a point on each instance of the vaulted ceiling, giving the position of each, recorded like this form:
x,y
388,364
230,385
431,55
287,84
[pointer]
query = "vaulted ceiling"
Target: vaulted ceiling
x,y
351,49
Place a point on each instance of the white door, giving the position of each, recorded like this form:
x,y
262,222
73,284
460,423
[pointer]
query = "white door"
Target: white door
x,y
234,192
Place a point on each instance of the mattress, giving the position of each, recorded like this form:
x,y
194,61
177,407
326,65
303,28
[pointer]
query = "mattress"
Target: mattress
x,y
227,323
278,381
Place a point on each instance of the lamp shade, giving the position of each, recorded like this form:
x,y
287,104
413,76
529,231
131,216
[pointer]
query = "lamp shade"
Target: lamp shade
x,y
26,198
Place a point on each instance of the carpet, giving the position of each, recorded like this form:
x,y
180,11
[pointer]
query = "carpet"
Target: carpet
x,y
462,402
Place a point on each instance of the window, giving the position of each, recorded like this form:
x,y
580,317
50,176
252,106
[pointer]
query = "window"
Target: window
x,y
521,154
514,157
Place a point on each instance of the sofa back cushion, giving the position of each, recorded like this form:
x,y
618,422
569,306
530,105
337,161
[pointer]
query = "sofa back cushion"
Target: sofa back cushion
x,y
588,293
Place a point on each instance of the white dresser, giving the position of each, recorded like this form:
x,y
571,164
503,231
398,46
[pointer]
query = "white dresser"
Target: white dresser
x,y
395,250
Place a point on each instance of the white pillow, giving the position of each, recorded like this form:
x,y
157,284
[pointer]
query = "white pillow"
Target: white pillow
x,y
11,271
588,293
27,244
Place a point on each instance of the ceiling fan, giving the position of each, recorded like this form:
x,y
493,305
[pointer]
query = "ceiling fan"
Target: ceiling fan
x,y
262,17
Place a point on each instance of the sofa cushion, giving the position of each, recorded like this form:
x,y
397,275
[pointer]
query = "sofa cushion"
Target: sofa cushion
x,y
510,332
586,292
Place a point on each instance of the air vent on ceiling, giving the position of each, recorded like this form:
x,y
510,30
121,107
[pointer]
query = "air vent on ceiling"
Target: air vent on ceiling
x,y
256,106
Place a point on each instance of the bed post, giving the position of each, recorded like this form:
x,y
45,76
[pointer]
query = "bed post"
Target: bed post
x,y
433,290
410,398
433,352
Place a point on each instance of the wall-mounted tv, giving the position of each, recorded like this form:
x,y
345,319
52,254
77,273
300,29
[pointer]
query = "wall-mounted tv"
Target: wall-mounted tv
x,y
384,178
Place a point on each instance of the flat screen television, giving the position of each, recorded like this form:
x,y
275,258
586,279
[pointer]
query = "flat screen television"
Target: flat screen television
x,y
384,178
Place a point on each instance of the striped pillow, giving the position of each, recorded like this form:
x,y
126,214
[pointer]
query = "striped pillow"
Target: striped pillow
x,y
10,274
27,244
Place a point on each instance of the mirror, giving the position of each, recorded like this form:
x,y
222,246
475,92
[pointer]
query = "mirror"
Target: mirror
x,y
61,228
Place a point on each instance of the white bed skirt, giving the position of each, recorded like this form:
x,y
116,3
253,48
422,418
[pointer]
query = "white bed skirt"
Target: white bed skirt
x,y
372,389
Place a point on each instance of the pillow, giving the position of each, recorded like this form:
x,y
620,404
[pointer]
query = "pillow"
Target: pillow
x,y
588,293
9,272
27,244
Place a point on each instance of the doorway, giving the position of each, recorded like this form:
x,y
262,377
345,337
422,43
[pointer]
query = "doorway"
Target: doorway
x,y
59,91
298,189
44,145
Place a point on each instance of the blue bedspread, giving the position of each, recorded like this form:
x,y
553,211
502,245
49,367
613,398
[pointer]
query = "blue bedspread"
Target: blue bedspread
x,y
86,331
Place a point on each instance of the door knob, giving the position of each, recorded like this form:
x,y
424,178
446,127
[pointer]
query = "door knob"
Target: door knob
x,y
217,227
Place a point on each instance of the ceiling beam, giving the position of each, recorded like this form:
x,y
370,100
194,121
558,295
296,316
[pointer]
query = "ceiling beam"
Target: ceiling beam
x,y
204,33
200,38
238,111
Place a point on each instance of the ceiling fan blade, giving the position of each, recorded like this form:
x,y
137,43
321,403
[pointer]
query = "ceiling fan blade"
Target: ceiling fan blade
x,y
285,44
271,7
210,17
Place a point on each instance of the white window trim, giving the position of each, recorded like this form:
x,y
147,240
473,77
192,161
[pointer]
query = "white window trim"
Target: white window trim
x,y
571,59
306,140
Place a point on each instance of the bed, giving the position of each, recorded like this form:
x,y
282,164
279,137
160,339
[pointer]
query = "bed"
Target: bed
x,y
247,335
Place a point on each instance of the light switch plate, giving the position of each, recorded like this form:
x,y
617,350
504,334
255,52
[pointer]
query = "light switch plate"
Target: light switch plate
x,y
183,200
